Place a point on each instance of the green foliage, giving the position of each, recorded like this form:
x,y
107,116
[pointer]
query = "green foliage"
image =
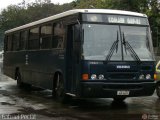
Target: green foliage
x,y
131,5
21,14
88,4
11,17
17,15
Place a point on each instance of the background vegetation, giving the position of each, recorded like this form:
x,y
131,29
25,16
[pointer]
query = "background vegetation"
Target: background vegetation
x,y
16,15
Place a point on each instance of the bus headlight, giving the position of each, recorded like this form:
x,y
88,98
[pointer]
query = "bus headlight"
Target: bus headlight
x,y
141,77
101,77
148,76
93,76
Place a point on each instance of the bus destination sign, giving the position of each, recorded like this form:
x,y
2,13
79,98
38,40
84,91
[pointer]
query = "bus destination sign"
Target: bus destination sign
x,y
127,20
117,19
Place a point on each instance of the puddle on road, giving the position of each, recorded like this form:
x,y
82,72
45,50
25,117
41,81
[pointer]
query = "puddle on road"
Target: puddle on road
x,y
6,103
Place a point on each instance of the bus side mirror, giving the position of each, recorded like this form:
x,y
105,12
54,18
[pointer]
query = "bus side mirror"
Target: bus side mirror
x,y
77,42
77,33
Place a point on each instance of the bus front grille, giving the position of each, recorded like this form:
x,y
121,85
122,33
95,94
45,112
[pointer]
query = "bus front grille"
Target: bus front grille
x,y
123,86
122,76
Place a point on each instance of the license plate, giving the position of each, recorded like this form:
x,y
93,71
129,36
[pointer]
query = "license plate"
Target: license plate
x,y
123,92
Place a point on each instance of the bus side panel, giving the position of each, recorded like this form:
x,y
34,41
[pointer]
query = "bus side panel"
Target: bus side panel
x,y
36,67
42,65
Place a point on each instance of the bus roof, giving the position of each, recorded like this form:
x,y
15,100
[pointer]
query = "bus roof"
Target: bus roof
x,y
74,11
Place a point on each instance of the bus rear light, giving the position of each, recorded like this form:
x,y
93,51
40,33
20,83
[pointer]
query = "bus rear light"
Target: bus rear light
x,y
85,76
155,76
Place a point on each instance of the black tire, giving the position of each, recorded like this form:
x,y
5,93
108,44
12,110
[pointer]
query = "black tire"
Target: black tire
x,y
59,90
158,89
119,99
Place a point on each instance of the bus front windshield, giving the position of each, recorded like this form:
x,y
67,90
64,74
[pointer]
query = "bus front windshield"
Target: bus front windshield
x,y
99,39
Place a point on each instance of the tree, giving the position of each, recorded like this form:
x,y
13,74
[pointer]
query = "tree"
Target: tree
x,y
23,13
87,4
154,18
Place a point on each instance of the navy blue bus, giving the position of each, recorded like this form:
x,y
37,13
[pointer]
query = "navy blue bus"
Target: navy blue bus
x,y
87,53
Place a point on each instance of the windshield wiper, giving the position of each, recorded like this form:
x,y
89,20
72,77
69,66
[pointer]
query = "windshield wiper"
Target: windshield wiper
x,y
112,49
128,47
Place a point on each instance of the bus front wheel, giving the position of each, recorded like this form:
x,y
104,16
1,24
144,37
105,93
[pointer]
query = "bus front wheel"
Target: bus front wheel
x,y
59,89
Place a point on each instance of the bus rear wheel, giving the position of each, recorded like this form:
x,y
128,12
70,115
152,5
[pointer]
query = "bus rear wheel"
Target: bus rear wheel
x,y
18,78
59,90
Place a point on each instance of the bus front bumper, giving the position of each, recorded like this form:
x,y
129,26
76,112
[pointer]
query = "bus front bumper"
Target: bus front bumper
x,y
111,90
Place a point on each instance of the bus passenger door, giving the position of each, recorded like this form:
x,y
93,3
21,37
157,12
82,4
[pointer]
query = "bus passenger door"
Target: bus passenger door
x,y
73,59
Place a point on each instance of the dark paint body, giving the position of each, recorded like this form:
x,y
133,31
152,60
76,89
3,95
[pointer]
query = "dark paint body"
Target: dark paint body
x,y
38,67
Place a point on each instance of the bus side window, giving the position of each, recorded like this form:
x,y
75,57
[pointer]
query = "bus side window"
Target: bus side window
x,y
23,40
46,36
33,42
15,41
58,39
9,43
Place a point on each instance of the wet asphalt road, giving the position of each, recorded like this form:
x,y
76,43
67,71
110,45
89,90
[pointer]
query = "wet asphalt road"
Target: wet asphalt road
x,y
38,104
